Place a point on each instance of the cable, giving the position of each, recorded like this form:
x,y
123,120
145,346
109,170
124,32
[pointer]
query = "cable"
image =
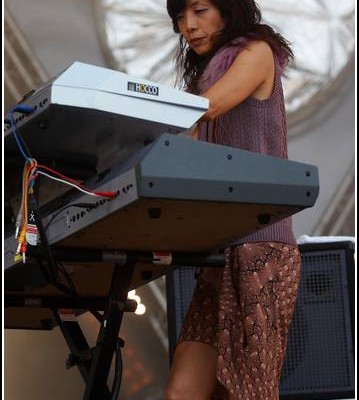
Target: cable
x,y
22,217
117,374
72,182
70,282
31,171
23,109
43,240
80,187
80,205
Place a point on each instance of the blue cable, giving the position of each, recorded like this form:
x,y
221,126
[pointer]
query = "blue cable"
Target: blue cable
x,y
24,109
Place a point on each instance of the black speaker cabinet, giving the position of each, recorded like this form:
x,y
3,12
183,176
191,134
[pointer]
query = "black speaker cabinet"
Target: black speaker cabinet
x,y
319,362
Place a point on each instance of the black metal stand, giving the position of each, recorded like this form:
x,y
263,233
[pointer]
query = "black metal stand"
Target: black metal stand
x,y
81,353
94,363
107,341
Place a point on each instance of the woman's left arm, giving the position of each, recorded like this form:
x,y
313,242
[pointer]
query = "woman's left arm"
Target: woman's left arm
x,y
251,69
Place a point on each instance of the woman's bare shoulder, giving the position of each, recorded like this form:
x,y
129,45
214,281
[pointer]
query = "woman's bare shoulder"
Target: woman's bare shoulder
x,y
258,50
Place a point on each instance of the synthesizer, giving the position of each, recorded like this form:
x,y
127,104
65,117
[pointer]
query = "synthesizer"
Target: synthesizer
x,y
88,118
177,189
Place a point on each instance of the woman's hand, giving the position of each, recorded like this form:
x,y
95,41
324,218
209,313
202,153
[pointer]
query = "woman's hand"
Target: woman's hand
x,y
195,132
192,132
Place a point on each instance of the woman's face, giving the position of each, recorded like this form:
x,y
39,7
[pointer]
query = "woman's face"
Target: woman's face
x,y
198,22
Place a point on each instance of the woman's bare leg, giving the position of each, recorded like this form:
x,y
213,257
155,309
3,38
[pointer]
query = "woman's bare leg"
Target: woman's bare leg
x,y
193,372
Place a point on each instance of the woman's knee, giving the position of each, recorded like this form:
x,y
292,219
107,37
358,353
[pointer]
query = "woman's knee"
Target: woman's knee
x,y
193,372
181,386
174,392
183,391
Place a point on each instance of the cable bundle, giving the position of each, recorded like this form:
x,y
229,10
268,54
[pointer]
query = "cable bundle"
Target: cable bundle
x,y
31,171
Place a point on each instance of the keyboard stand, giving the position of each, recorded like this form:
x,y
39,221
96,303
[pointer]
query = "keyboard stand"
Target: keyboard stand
x,y
107,341
94,363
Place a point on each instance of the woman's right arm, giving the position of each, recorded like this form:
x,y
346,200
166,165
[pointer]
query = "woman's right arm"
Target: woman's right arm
x,y
251,72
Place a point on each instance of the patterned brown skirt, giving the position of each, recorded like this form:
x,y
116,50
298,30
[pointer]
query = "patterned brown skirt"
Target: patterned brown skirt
x,y
244,310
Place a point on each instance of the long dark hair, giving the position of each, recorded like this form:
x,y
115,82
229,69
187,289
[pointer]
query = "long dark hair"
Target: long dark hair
x,y
242,18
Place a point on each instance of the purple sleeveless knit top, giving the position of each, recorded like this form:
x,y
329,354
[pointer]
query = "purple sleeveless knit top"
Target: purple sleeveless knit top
x,y
253,125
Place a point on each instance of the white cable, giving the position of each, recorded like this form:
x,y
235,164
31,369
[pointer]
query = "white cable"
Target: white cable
x,y
69,183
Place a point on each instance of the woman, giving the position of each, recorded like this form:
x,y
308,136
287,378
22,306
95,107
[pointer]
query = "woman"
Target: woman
x,y
234,337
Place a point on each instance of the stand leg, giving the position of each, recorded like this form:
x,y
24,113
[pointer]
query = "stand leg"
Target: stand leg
x,y
80,350
107,340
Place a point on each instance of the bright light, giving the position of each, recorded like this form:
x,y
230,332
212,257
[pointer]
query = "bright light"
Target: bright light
x,y
136,298
141,309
